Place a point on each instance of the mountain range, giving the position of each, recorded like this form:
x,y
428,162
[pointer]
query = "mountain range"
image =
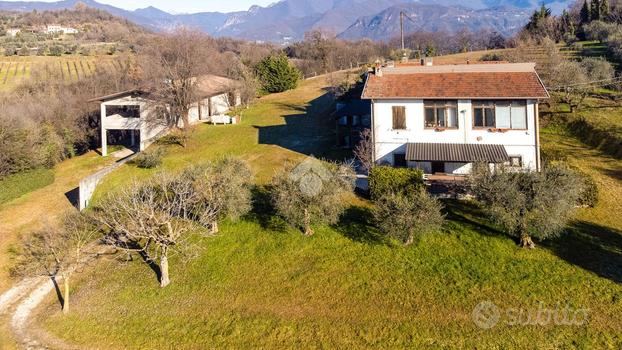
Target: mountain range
x,y
288,20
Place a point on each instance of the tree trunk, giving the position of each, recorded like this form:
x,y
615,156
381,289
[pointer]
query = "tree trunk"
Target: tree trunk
x,y
526,241
307,224
213,227
66,296
164,279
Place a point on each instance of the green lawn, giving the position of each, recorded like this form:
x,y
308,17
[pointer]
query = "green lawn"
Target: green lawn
x,y
261,284
14,186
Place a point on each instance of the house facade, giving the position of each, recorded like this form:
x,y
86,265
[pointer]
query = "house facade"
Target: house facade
x,y
133,111
442,119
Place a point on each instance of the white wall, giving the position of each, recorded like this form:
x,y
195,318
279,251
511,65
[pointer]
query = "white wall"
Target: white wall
x,y
388,141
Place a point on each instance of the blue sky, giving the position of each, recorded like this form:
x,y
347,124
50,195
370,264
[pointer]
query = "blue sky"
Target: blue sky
x,y
185,6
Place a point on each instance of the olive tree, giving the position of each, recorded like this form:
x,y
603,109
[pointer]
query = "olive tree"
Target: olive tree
x,y
152,217
312,193
59,251
404,216
223,190
528,205
156,216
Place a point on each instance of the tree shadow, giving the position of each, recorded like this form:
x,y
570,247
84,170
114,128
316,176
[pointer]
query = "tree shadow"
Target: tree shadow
x,y
470,215
357,224
59,295
592,247
309,130
263,211
151,263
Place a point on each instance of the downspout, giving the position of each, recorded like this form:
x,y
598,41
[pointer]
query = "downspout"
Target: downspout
x,y
537,122
373,131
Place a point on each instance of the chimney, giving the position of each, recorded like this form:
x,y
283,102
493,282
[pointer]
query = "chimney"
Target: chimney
x,y
378,69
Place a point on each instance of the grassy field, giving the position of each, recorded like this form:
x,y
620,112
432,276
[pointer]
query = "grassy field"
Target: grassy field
x,y
261,284
16,185
15,69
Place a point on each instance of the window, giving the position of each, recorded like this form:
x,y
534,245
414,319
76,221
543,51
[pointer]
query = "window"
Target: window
x,y
515,162
500,114
399,160
441,114
399,118
123,111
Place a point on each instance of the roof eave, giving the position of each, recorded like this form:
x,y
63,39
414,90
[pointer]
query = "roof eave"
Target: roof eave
x,y
457,97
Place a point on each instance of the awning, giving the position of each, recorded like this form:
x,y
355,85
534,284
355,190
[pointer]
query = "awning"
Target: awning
x,y
456,152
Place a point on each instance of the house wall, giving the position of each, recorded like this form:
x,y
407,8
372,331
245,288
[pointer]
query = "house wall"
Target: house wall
x,y
388,141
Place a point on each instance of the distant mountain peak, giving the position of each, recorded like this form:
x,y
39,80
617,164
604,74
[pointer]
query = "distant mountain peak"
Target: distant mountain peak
x,y
287,20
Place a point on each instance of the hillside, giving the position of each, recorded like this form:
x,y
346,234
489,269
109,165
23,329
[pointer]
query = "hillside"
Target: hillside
x,y
436,18
288,20
261,284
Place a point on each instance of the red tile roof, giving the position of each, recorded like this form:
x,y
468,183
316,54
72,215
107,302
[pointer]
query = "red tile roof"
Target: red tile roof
x,y
467,85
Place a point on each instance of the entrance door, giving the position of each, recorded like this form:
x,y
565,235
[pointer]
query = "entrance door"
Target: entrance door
x,y
438,167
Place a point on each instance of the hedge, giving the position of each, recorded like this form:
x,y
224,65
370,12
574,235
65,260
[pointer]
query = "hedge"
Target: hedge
x,y
386,179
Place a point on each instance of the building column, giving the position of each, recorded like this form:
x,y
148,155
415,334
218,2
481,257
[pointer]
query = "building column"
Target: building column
x,y
132,137
104,134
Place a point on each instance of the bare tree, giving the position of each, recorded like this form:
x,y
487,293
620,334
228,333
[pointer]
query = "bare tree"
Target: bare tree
x,y
404,216
155,217
311,193
152,218
59,252
528,204
171,64
364,151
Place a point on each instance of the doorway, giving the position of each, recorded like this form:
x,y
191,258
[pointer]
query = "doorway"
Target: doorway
x,y
438,167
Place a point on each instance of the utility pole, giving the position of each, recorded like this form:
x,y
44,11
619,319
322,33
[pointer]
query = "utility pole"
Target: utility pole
x,y
402,29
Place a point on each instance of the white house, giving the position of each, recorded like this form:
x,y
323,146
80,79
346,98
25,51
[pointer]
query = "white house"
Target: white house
x,y
133,110
12,32
55,28
443,118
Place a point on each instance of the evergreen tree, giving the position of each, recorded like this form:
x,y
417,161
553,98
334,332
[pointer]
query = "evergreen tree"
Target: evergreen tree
x,y
586,13
595,16
276,74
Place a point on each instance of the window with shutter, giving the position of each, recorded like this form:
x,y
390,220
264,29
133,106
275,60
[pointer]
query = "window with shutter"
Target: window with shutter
x,y
399,118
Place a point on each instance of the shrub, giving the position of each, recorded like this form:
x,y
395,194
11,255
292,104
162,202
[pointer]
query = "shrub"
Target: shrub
x,y
386,179
311,193
405,216
598,68
589,194
149,159
56,50
276,74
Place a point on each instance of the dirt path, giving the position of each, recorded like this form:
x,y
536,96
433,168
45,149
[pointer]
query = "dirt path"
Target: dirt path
x,y
43,206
